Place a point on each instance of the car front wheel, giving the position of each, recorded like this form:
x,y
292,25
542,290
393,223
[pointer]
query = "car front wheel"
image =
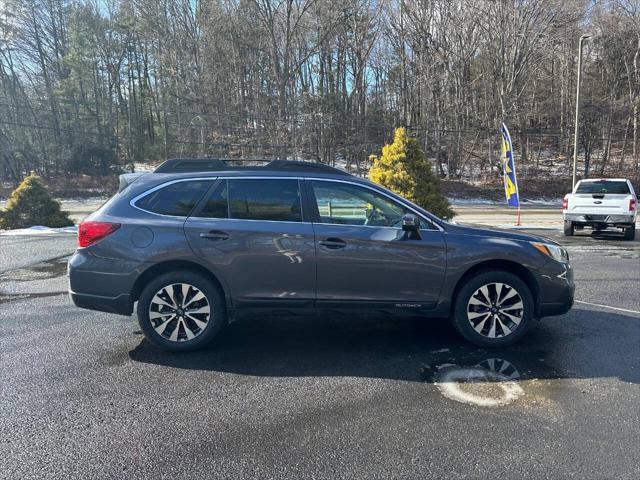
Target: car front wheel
x,y
181,311
493,309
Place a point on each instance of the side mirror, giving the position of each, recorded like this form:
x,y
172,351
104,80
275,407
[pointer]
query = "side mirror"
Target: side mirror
x,y
411,226
410,223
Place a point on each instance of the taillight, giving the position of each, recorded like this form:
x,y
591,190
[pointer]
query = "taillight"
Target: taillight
x,y
91,232
565,203
633,204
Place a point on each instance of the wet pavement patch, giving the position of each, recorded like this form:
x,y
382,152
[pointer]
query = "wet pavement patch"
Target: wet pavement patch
x,y
486,379
43,279
8,297
56,267
604,250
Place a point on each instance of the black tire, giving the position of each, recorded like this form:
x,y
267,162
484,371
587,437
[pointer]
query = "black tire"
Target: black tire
x,y
630,232
464,325
213,299
569,228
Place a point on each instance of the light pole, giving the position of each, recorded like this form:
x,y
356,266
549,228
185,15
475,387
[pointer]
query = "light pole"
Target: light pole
x,y
575,131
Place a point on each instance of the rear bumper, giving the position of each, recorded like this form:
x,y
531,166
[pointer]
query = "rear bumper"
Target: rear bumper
x,y
612,219
101,284
122,304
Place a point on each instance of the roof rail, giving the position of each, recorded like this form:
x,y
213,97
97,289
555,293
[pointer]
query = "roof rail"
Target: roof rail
x,y
175,165
297,166
183,165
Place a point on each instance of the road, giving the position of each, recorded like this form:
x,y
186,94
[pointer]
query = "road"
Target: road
x,y
84,396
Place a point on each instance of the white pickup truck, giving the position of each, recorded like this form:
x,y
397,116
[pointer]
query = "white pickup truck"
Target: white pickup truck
x,y
599,204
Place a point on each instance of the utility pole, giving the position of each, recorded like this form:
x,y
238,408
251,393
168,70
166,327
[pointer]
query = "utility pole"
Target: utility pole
x,y
575,131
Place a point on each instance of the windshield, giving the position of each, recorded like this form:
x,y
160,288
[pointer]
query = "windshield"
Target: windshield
x,y
604,186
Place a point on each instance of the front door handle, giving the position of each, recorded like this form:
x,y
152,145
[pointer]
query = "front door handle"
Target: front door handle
x,y
333,243
215,235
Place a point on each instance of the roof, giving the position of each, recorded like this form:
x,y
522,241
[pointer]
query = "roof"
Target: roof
x,y
603,180
186,165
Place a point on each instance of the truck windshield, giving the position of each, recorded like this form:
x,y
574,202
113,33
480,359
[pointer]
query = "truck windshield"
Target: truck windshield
x,y
604,186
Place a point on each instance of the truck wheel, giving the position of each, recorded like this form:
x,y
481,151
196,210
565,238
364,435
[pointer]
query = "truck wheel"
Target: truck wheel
x,y
569,228
630,232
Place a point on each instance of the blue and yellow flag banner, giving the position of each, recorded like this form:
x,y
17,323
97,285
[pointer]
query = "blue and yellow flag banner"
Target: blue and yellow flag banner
x,y
509,169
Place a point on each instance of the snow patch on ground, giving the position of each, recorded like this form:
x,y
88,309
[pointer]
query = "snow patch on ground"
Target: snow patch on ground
x,y
40,230
472,201
556,202
83,201
143,167
483,201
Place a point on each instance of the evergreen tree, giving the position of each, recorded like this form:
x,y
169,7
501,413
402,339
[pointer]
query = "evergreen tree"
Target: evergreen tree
x,y
404,169
30,204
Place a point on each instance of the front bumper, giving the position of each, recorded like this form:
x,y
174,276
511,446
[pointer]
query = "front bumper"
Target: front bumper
x,y
556,289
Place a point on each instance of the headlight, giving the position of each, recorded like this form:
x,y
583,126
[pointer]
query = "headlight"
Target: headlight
x,y
554,251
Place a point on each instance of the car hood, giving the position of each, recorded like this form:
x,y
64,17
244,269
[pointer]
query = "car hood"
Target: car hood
x,y
484,231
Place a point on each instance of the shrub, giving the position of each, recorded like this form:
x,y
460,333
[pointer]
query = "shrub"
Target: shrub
x,y
404,169
30,204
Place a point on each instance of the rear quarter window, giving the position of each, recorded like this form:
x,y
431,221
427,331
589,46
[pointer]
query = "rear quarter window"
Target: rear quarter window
x,y
177,199
604,187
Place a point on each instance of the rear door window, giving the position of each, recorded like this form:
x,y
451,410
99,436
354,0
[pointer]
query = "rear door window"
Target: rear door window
x,y
176,199
604,187
217,205
256,199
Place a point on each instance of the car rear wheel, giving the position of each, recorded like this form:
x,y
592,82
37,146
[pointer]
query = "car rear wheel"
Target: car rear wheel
x,y
630,232
569,228
493,309
181,311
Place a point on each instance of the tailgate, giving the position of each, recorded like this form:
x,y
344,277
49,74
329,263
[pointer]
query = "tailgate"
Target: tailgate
x,y
598,203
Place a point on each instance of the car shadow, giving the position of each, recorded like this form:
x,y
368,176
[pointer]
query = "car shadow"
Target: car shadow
x,y
608,235
586,237
611,235
411,349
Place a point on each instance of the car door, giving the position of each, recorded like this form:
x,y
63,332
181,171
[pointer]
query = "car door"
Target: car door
x,y
364,257
252,234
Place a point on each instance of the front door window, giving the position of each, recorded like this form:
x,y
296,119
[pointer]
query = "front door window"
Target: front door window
x,y
346,204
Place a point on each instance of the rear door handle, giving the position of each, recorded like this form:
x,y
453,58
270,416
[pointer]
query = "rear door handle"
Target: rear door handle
x,y
333,243
215,235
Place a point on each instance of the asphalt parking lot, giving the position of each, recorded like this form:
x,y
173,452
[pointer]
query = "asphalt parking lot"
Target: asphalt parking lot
x,y
84,395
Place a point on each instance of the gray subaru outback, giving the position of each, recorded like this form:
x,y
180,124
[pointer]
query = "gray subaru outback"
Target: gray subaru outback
x,y
200,243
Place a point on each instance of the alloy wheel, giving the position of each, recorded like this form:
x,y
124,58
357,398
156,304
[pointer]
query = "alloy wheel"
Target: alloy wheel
x,y
495,310
179,312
